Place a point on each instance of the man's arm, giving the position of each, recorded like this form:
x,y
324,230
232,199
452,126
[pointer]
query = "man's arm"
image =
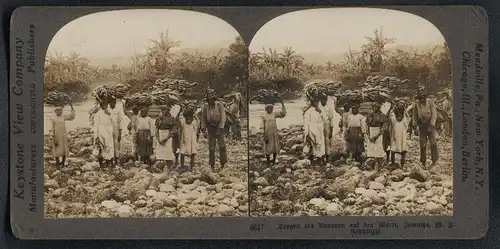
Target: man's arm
x,y
433,107
204,121
414,116
222,111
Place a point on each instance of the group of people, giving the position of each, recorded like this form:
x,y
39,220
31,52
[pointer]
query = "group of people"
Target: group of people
x,y
168,138
381,134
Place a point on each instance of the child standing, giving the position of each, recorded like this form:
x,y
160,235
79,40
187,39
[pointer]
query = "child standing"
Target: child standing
x,y
189,134
144,136
399,127
60,148
270,129
355,133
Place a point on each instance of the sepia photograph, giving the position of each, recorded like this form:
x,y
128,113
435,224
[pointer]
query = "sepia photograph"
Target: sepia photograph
x,y
350,114
145,116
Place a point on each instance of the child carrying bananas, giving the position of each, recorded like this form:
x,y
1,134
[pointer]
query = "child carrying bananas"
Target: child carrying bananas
x,y
270,131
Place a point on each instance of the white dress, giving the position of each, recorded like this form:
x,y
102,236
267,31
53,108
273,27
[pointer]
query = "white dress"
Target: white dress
x,y
313,126
103,129
336,118
189,136
326,115
116,118
398,134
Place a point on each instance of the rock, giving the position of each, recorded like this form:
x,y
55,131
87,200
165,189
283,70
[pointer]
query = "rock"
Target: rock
x,y
301,164
369,193
261,181
225,210
51,184
401,193
375,185
125,211
433,208
332,209
161,196
266,190
419,175
318,202
428,193
243,208
150,193
447,184
266,171
208,176
166,188
234,203
110,204
359,191
238,186
171,202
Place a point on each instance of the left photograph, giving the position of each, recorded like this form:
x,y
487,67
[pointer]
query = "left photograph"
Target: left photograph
x,y
145,116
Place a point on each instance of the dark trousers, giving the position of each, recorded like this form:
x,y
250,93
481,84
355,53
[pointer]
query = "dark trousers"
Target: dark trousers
x,y
237,129
215,137
424,135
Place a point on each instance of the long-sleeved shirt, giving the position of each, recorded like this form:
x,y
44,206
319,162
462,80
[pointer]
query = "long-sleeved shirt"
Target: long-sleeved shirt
x,y
424,112
214,115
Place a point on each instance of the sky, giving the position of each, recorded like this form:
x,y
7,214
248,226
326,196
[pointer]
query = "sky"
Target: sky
x,y
335,30
119,33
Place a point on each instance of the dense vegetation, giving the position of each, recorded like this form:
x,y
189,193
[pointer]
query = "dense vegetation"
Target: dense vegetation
x,y
227,71
289,70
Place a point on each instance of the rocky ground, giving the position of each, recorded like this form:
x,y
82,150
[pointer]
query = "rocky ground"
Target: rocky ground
x,y
294,187
83,189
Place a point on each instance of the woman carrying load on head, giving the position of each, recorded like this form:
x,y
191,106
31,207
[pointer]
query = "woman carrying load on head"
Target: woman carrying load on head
x,y
270,129
314,132
377,124
166,126
60,147
103,134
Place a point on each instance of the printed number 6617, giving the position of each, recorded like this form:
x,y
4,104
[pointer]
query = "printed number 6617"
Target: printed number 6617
x,y
256,227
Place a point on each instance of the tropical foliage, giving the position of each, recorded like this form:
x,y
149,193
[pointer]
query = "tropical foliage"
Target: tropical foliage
x,y
289,70
224,71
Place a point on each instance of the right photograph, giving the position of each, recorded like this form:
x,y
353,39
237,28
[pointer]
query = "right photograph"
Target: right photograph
x,y
350,114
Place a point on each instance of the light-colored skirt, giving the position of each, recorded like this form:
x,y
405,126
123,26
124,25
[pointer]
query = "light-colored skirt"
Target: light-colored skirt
x,y
164,152
375,149
106,138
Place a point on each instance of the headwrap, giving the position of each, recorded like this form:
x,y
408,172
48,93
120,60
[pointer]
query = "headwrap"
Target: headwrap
x,y
58,108
269,105
421,91
210,93
165,107
355,106
376,103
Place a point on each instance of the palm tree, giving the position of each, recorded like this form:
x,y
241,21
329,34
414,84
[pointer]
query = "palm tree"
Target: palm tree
x,y
160,54
291,61
376,49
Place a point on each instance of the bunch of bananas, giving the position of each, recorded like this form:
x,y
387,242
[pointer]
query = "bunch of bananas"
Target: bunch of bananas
x,y
56,98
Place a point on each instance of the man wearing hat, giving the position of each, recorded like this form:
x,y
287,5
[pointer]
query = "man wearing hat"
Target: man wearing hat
x,y
213,120
424,117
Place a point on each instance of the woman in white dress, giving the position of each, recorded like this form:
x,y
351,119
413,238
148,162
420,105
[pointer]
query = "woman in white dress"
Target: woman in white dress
x,y
377,124
103,135
314,131
166,127
116,118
